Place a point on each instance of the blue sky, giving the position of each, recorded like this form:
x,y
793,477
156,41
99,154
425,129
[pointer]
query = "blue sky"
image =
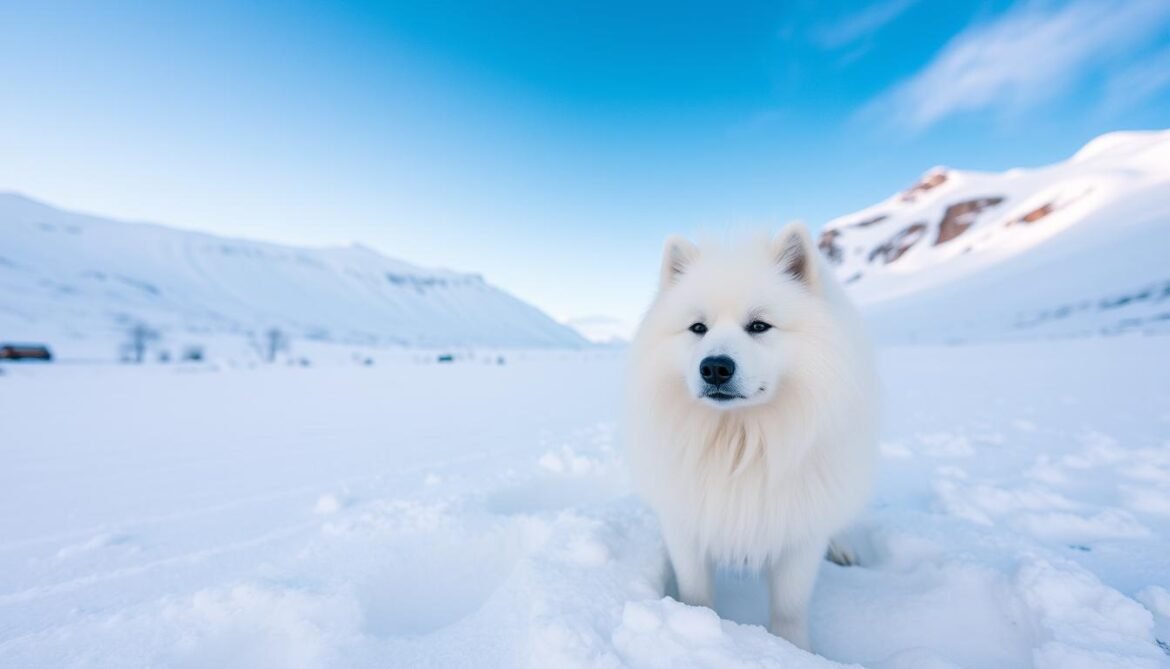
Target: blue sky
x,y
550,146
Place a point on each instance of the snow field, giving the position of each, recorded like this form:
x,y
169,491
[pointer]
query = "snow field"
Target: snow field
x,y
344,516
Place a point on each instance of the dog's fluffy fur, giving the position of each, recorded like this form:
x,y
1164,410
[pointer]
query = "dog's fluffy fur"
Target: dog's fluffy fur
x,y
764,479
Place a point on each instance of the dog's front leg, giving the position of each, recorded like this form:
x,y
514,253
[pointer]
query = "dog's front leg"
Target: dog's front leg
x,y
692,571
790,580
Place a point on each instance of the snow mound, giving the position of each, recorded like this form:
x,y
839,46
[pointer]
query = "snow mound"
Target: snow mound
x,y
665,634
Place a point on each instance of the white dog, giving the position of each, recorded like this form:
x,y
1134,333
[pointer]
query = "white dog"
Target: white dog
x,y
752,415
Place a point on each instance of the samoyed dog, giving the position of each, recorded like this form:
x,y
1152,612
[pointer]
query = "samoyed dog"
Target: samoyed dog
x,y
752,414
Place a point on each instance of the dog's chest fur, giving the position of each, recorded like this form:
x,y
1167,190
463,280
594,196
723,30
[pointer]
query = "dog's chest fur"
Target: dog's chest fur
x,y
750,491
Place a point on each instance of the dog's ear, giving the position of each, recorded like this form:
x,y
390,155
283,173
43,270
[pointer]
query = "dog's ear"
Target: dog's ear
x,y
677,256
794,254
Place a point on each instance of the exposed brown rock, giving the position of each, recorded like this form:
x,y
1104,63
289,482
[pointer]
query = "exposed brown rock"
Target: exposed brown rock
x,y
828,246
1035,215
899,244
927,183
958,217
869,221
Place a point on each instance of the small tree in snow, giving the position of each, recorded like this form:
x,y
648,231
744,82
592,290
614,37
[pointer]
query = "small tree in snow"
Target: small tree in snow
x,y
275,342
138,339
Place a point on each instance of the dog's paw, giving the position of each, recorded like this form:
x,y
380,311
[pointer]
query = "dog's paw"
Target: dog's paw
x,y
840,554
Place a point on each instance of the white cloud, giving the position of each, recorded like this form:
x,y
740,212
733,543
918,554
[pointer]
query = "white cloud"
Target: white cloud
x,y
1028,55
1139,81
860,24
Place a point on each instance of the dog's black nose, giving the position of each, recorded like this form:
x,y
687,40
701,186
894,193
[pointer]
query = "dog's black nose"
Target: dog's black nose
x,y
717,369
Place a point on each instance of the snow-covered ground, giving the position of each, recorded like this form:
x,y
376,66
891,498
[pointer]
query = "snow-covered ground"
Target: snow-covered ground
x,y
411,515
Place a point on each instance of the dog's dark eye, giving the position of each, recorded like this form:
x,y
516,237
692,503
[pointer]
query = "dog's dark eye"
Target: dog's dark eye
x,y
756,327
698,328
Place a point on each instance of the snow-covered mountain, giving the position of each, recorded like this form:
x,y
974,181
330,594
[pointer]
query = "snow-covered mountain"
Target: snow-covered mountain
x,y
604,330
1078,247
77,277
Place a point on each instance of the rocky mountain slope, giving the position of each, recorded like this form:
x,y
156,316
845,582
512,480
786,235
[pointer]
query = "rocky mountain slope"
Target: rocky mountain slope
x,y
1077,247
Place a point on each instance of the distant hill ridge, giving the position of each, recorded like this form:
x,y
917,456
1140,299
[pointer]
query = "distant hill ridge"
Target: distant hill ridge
x,y
92,276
